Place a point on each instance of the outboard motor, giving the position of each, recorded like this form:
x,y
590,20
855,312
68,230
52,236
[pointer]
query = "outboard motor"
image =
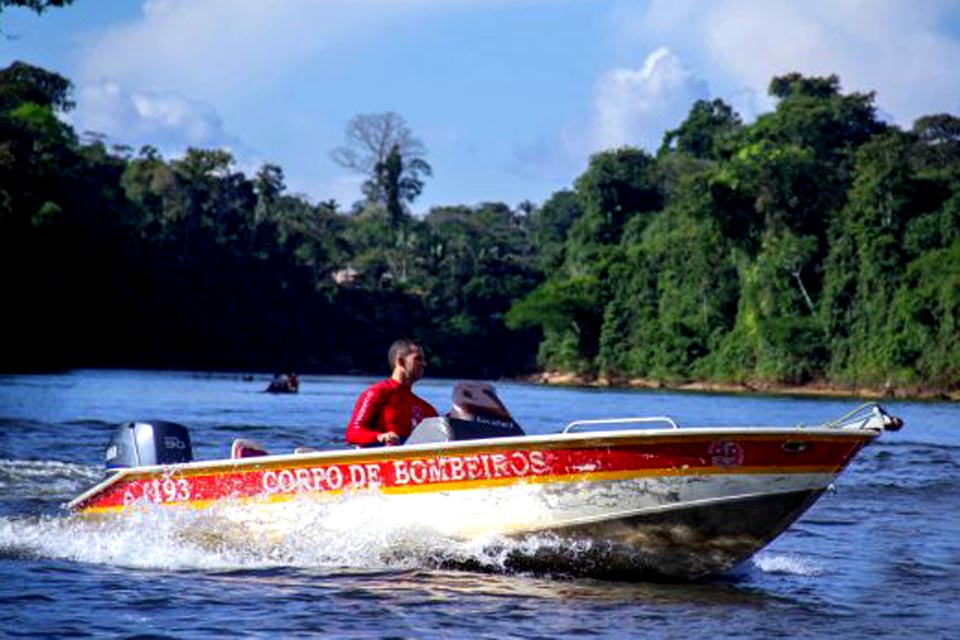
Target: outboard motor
x,y
141,444
478,402
476,413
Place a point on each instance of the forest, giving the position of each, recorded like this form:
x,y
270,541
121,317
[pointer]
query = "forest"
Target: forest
x,y
818,244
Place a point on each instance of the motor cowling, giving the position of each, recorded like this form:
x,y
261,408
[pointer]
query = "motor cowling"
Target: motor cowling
x,y
143,443
478,402
476,413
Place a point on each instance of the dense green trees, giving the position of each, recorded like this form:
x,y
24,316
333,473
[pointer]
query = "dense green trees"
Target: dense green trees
x,y
814,244
137,260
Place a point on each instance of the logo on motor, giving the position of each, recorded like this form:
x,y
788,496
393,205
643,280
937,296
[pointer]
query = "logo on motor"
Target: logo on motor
x,y
726,454
173,442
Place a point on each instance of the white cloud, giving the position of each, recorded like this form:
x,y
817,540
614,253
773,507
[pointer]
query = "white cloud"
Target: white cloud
x,y
897,48
884,46
223,49
202,48
632,107
636,106
165,119
187,71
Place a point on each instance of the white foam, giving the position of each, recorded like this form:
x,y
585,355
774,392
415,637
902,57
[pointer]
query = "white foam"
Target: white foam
x,y
363,530
786,564
353,532
147,543
45,478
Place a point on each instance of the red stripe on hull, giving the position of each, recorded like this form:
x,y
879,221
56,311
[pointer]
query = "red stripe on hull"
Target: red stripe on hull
x,y
474,465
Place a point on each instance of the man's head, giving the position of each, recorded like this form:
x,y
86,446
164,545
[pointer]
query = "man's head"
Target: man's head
x,y
406,361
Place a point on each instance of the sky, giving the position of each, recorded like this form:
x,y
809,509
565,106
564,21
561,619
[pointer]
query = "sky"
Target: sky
x,y
509,97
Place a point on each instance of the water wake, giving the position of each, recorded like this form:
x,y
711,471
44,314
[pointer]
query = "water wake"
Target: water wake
x,y
357,531
772,563
352,533
45,479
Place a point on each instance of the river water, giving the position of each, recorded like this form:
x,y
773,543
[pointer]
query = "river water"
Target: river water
x,y
880,556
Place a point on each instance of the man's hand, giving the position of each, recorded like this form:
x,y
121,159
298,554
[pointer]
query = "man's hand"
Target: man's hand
x,y
388,438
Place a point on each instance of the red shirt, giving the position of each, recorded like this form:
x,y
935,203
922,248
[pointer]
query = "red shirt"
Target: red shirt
x,y
386,406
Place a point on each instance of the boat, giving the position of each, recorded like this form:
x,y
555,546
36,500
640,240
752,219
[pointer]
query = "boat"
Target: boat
x,y
284,383
633,497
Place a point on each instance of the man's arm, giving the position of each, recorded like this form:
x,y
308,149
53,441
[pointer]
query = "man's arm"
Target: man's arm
x,y
427,409
362,428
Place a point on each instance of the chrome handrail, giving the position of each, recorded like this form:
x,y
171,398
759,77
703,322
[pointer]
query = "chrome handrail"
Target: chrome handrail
x,y
867,416
643,420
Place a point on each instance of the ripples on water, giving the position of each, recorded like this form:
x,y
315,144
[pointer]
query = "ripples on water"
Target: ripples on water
x,y
878,557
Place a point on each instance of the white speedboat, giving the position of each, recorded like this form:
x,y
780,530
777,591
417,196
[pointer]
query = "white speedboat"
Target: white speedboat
x,y
633,496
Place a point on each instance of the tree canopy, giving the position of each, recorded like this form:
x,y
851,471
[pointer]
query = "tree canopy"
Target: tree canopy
x,y
382,147
817,243
35,5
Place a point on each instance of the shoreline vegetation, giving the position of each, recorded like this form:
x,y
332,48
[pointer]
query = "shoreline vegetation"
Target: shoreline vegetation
x,y
556,378
819,389
816,243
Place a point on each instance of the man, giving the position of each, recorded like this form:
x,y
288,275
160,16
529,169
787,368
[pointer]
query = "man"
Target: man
x,y
387,412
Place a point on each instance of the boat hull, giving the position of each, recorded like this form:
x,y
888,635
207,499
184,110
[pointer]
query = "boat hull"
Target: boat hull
x,y
655,503
690,541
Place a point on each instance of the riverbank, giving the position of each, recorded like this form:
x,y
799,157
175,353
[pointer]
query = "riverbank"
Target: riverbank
x,y
813,389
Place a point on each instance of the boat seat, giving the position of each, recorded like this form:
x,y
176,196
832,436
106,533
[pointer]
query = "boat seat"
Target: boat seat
x,y
246,448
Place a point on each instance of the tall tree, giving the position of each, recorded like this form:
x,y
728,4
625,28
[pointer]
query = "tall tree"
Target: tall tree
x,y
867,258
617,186
938,145
22,82
707,131
549,225
382,147
394,183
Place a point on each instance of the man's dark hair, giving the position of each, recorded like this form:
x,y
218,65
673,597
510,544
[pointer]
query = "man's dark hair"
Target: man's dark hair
x,y
400,349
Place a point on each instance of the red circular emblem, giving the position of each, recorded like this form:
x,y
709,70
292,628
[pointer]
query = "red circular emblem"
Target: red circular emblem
x,y
726,454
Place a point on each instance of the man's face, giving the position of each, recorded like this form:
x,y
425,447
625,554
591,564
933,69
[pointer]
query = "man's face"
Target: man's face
x,y
413,364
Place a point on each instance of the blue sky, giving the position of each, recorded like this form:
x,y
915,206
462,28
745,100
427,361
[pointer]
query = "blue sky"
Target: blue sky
x,y
510,97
